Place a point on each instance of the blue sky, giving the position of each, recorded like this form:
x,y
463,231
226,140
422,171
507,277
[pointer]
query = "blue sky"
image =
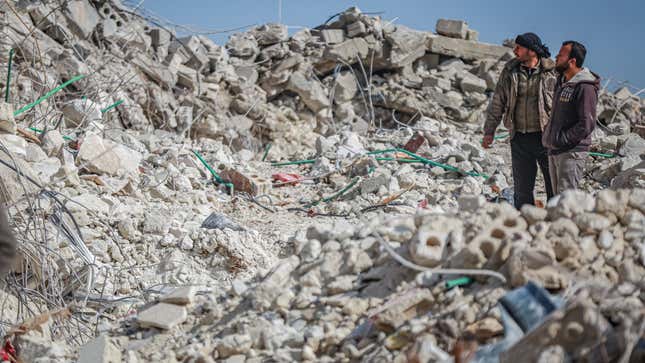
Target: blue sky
x,y
613,31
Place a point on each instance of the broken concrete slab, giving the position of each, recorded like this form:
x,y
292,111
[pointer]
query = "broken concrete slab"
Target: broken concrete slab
x,y
7,121
242,45
81,112
180,296
402,308
438,82
332,36
465,49
52,142
452,28
269,34
472,83
162,75
15,144
356,29
163,316
82,17
107,157
348,51
247,182
345,88
407,45
311,91
100,350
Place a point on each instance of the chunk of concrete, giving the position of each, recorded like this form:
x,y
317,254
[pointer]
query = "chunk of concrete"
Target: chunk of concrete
x,y
107,157
623,93
242,45
356,29
634,145
52,142
163,316
310,91
7,121
332,36
427,246
247,182
407,45
400,309
180,296
471,203
81,111
452,28
345,88
472,83
159,74
472,35
439,82
269,34
465,49
100,350
348,51
15,144
82,17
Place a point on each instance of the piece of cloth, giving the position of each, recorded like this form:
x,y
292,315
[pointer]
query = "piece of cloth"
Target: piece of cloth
x,y
502,106
573,118
527,153
527,115
7,244
566,170
533,42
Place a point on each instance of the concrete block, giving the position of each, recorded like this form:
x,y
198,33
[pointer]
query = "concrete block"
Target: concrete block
x,y
356,29
439,82
452,28
247,182
163,316
465,49
333,36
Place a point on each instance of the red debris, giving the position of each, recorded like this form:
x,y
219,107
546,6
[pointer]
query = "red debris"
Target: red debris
x,y
414,143
423,204
287,178
8,352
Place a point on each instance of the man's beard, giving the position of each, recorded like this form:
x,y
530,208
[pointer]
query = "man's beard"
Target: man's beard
x,y
561,68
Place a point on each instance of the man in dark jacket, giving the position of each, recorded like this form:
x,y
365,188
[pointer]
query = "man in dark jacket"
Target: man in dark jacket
x,y
568,134
522,100
7,244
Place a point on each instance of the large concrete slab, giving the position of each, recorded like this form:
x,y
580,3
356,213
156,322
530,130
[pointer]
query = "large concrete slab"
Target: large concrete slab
x,y
465,49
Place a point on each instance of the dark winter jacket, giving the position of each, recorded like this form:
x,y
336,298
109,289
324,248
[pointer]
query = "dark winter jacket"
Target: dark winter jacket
x,y
502,106
573,116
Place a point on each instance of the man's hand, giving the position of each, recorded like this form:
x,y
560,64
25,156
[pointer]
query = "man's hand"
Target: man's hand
x,y
488,140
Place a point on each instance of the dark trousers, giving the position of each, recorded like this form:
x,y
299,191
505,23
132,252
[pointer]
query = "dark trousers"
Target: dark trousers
x,y
527,154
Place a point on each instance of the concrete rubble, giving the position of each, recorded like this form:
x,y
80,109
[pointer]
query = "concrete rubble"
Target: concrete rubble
x,y
320,196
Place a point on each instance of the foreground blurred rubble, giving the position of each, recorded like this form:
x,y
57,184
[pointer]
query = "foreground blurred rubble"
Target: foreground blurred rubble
x,y
288,198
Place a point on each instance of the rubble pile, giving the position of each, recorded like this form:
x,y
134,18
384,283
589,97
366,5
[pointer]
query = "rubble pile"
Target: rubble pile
x,y
342,297
315,196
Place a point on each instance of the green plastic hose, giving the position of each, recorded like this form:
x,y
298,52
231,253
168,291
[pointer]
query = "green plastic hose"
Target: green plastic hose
x,y
602,155
335,195
266,151
6,92
41,131
47,95
427,161
214,174
461,281
111,106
